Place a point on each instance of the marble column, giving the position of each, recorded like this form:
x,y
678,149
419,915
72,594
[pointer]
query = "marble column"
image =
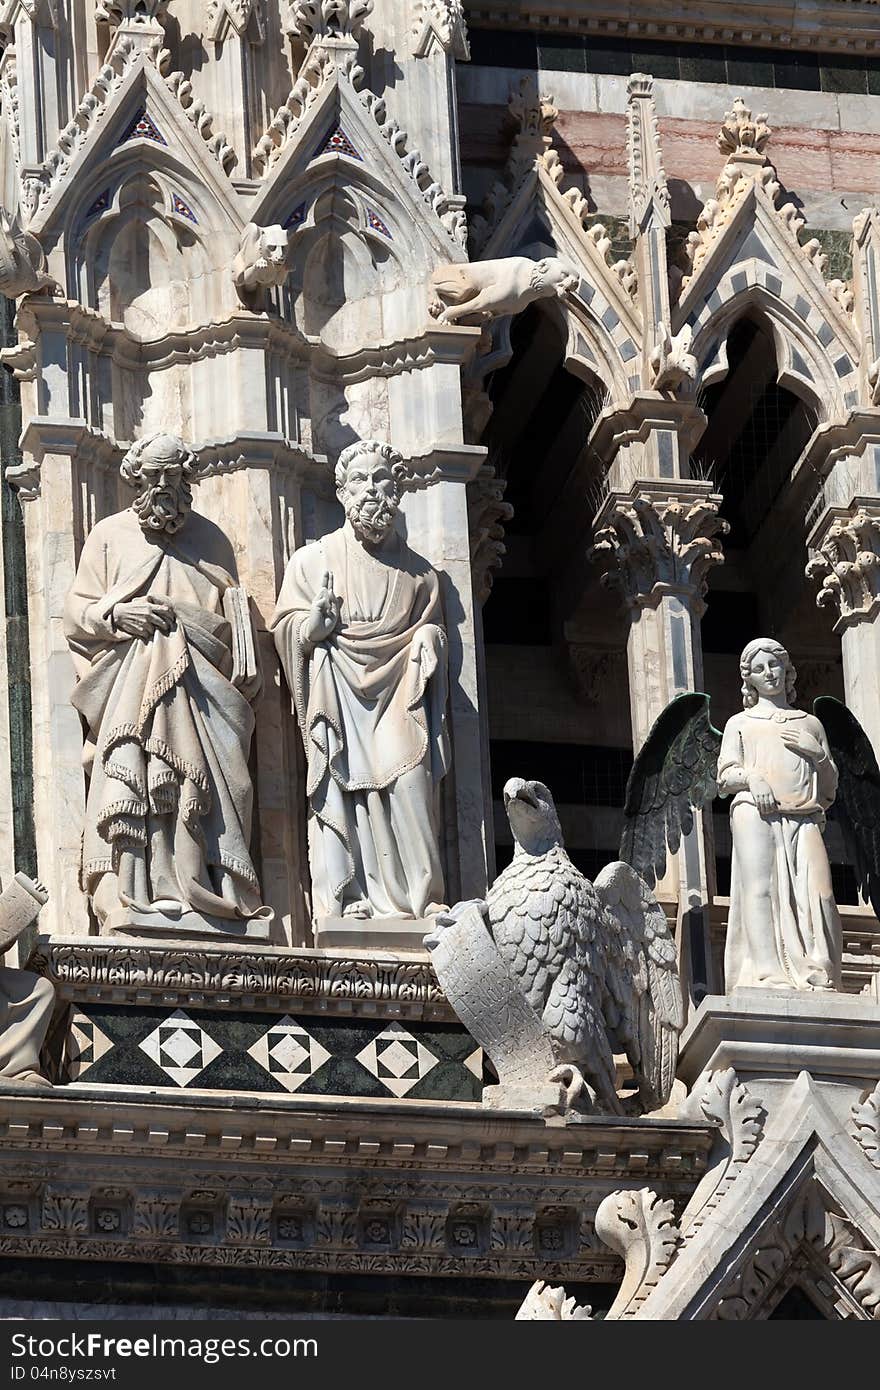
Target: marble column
x,y
661,539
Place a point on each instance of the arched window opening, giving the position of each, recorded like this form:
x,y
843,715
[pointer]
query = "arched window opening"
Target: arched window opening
x,y
757,430
555,641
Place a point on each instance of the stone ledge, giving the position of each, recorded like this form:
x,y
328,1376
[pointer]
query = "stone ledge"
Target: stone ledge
x,y
782,1033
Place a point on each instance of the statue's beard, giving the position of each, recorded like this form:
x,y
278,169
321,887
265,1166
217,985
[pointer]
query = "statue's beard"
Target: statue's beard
x,y
372,518
163,508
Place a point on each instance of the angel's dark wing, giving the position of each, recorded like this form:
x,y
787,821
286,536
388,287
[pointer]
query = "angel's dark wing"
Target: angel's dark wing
x,y
673,773
857,804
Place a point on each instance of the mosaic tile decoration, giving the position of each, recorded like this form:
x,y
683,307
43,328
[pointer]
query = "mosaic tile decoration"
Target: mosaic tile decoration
x,y
375,223
143,127
337,142
308,1055
182,209
296,218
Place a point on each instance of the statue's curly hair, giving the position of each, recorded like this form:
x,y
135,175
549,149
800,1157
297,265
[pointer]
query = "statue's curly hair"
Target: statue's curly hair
x,y
132,465
765,644
362,447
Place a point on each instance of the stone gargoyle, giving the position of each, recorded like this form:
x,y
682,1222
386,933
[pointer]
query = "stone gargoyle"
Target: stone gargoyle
x,y
260,263
482,290
553,975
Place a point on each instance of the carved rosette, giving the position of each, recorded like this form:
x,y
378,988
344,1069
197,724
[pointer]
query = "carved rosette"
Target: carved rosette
x,y
487,515
660,543
847,564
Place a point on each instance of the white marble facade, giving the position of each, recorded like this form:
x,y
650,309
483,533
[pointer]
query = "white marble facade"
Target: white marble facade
x,y
267,257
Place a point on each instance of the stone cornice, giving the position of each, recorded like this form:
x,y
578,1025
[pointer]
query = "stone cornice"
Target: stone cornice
x,y
850,25
634,420
369,1186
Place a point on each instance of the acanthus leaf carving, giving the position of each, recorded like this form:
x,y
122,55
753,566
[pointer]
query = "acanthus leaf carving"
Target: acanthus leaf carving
x,y
847,564
326,19
740,1116
865,1126
545,1304
660,543
641,1227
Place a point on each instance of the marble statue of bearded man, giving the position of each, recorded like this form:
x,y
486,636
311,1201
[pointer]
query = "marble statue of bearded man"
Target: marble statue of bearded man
x,y
152,621
359,630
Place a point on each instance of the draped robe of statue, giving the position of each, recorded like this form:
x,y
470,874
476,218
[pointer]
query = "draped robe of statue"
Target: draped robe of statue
x,y
373,722
783,924
168,812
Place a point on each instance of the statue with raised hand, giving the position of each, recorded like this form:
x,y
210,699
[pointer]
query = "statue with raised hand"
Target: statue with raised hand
x,y
359,630
782,768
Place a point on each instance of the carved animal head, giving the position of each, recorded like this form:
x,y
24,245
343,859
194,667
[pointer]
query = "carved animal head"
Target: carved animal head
x,y
273,244
531,812
552,273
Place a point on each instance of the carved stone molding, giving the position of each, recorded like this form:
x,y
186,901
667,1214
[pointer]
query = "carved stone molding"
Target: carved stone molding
x,y
368,1186
847,562
487,514
807,1224
241,978
661,539
533,115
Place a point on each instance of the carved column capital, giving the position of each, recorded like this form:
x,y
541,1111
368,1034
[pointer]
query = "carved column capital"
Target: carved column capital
x,y
661,538
846,562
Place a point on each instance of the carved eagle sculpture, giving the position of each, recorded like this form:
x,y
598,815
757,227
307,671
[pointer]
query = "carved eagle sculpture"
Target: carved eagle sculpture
x,y
675,774
553,974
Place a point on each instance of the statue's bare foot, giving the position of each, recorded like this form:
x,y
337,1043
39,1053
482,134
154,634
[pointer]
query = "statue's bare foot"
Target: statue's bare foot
x,y
361,909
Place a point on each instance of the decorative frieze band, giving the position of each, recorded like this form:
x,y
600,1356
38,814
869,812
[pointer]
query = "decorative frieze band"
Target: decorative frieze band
x,y
242,979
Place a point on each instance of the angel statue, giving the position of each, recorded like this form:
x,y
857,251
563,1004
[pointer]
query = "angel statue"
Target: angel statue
x,y
783,769
553,975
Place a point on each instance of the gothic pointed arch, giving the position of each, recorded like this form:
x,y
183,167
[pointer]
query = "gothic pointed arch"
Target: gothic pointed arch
x,y
746,258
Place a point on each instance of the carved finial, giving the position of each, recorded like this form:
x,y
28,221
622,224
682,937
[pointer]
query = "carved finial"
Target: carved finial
x,y
237,16
136,22
649,194
742,134
440,24
327,19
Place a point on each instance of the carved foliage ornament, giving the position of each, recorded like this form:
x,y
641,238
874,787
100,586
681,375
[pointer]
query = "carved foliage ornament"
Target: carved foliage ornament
x,y
660,545
847,566
487,515
441,22
327,19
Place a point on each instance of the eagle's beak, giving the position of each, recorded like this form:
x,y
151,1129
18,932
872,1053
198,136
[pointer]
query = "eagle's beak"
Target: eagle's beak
x,y
519,790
